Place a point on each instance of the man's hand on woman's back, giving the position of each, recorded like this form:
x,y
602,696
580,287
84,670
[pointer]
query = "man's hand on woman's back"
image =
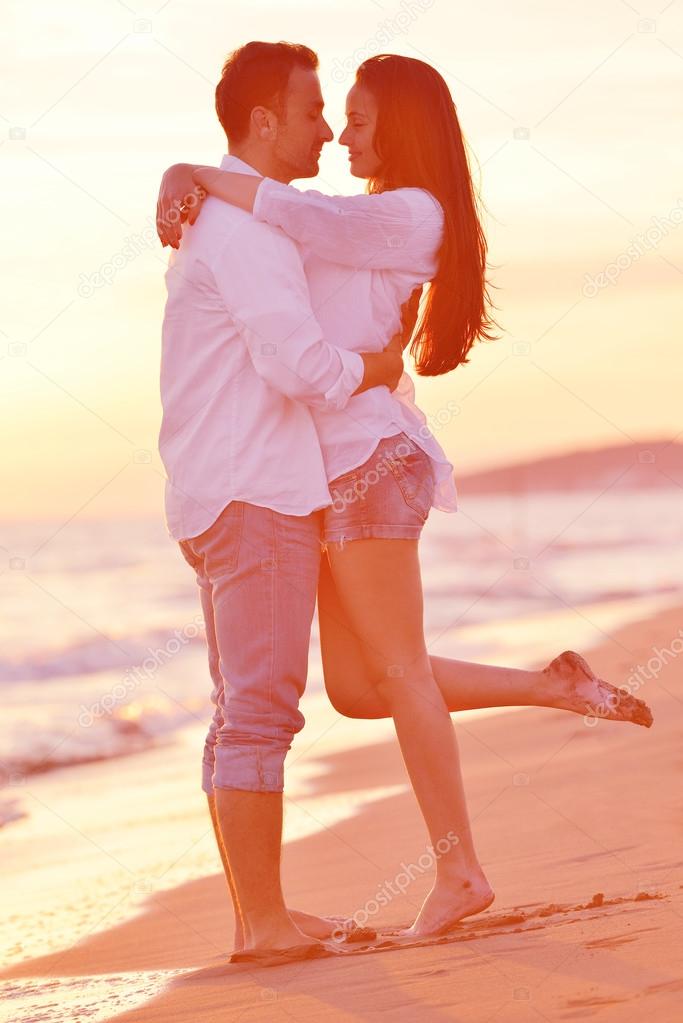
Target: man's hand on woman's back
x,y
382,368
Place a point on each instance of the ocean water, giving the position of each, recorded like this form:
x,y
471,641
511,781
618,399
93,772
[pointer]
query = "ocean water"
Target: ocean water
x,y
101,643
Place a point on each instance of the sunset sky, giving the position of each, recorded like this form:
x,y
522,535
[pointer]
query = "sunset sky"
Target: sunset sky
x,y
573,112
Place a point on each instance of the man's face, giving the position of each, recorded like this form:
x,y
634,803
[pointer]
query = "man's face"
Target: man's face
x,y
303,131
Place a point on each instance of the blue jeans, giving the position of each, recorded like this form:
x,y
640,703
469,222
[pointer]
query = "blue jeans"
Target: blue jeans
x,y
257,571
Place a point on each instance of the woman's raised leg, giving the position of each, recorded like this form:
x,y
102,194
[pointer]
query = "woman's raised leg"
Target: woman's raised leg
x,y
378,584
465,685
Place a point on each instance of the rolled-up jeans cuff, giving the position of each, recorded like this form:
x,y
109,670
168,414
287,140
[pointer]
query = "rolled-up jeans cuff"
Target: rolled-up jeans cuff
x,y
250,768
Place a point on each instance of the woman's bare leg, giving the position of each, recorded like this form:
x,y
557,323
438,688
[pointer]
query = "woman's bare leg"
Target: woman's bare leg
x,y
379,586
464,685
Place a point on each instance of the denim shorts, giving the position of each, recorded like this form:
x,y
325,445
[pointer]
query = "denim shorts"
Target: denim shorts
x,y
389,496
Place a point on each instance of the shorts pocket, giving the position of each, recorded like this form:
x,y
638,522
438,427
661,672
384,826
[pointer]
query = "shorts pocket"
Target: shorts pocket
x,y
345,490
415,478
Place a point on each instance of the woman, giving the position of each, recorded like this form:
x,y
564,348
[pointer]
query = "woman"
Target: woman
x,y
417,225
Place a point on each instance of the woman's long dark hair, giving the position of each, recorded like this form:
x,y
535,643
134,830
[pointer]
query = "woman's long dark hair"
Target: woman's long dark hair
x,y
420,145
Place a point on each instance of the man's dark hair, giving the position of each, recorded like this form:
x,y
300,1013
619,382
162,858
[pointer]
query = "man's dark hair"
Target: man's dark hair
x,y
257,75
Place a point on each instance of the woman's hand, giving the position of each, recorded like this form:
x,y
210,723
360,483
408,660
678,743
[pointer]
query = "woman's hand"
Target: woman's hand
x,y
180,200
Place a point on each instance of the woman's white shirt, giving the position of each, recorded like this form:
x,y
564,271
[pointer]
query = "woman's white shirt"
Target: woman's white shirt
x,y
370,251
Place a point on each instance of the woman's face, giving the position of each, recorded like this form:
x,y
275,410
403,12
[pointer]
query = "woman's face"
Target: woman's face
x,y
358,135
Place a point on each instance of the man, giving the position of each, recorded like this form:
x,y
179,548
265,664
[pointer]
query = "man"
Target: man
x,y
243,358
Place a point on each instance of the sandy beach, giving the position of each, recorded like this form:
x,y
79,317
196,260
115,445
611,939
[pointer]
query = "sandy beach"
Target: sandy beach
x,y
577,825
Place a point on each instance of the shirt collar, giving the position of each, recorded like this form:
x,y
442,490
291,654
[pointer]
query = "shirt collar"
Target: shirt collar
x,y
237,166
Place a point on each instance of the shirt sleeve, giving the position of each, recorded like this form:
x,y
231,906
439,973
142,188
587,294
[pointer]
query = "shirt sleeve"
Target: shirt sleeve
x,y
260,277
394,230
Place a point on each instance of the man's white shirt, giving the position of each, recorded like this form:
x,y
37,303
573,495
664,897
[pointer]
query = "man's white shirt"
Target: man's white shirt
x,y
243,358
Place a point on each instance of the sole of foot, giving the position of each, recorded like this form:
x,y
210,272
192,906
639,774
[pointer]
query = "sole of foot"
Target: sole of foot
x,y
582,691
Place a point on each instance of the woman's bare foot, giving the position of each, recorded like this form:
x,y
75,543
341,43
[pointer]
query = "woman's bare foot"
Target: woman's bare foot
x,y
449,902
577,688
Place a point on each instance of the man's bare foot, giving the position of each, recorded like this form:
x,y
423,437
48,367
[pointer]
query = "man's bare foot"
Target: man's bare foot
x,y
577,688
449,902
319,927
279,937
